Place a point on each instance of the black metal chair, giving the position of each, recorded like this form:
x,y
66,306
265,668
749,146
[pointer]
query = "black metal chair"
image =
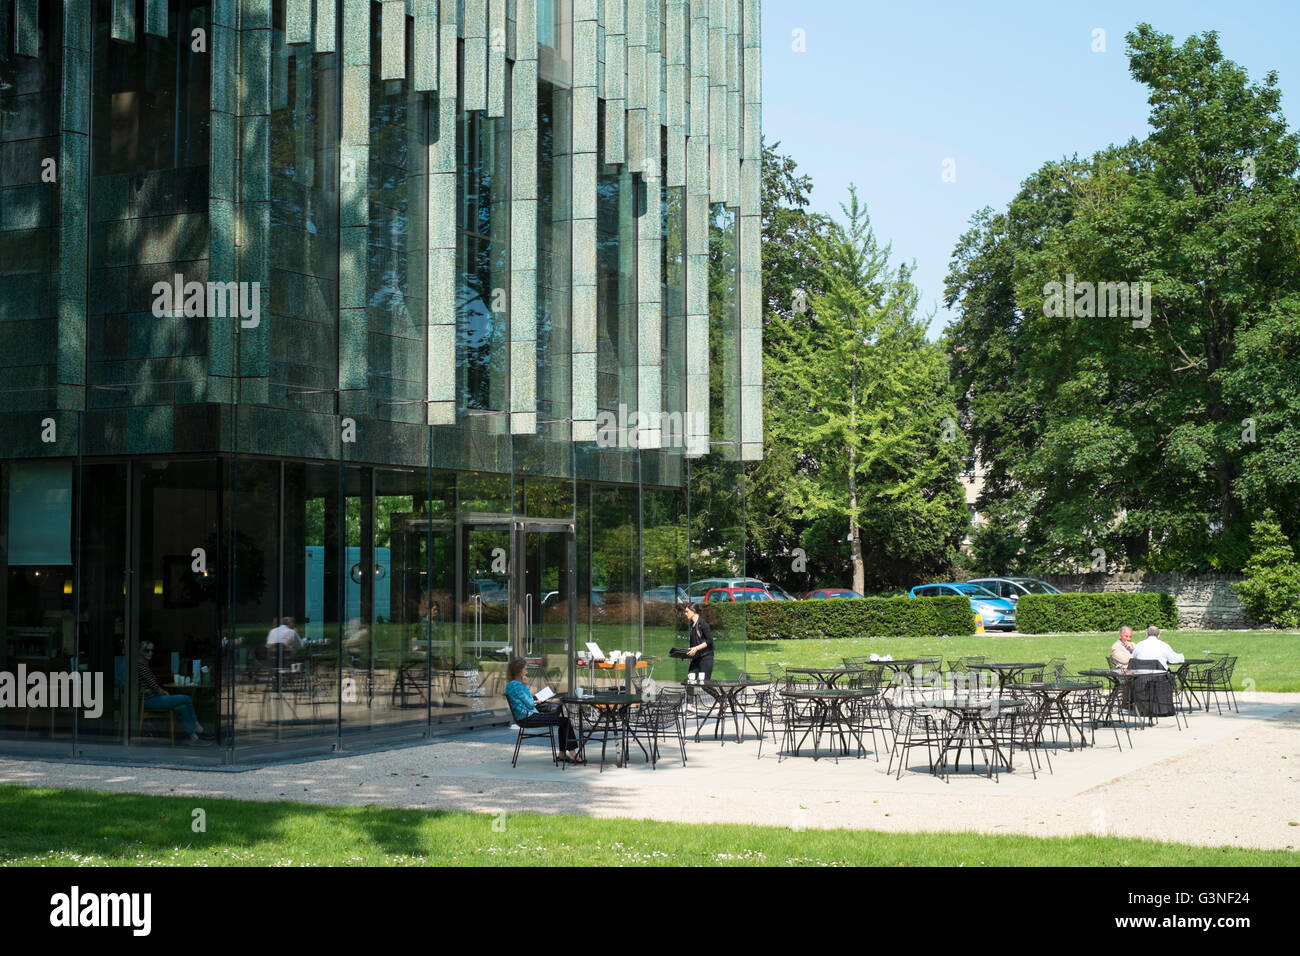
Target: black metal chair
x,y
536,733
1213,680
914,727
661,719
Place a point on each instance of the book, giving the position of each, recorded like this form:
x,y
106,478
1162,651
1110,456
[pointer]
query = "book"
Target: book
x,y
543,695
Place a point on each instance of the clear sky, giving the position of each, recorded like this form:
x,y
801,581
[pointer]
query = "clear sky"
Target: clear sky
x,y
883,93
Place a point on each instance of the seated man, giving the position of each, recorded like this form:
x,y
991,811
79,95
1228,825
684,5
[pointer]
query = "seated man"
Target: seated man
x,y
1153,650
156,699
1122,649
285,634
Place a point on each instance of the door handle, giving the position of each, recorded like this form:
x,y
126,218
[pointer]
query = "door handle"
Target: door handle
x,y
528,623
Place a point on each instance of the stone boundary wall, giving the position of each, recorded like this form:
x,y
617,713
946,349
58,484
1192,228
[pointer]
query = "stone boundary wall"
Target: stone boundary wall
x,y
1204,600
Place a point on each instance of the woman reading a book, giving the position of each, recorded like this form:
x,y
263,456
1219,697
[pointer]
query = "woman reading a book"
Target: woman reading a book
x,y
524,709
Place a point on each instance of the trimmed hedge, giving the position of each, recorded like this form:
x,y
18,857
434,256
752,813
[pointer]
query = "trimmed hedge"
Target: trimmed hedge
x,y
842,617
1042,613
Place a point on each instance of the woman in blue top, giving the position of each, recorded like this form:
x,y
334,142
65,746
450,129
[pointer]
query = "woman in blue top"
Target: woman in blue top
x,y
524,709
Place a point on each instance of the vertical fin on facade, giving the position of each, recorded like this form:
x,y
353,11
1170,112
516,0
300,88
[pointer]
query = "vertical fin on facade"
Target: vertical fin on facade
x,y
496,53
523,223
297,21
354,215
326,25
751,296
474,30
223,47
74,183
615,79
583,355
636,85
649,270
717,70
697,234
441,351
253,213
392,40
424,72
123,20
155,18
676,93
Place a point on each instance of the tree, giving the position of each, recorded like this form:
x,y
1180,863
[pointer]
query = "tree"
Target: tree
x,y
1271,590
1122,425
869,413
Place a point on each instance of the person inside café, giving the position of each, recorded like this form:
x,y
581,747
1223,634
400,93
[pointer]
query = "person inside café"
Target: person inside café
x,y
1122,649
526,714
157,699
285,637
1153,650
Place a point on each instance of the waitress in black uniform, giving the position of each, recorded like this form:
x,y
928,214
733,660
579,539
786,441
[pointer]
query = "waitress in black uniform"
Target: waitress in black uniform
x,y
701,640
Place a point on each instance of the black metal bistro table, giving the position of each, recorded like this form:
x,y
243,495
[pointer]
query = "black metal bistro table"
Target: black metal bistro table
x,y
974,727
1052,695
1007,673
827,676
832,710
725,699
613,715
904,663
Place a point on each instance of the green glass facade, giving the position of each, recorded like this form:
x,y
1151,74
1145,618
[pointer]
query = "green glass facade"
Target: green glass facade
x,y
429,324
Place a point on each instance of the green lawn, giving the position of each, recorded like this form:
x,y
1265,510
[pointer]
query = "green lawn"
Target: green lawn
x,y
1270,659
83,828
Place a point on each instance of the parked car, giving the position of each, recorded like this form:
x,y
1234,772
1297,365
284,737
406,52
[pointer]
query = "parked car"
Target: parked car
x,y
828,593
718,595
666,594
993,610
779,593
1013,588
698,589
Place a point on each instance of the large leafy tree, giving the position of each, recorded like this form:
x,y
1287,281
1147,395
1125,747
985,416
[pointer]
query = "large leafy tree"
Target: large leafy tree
x,y
1152,436
868,419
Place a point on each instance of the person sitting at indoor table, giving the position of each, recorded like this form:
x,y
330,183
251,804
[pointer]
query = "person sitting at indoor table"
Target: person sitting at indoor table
x,y
1122,649
156,699
524,709
1153,650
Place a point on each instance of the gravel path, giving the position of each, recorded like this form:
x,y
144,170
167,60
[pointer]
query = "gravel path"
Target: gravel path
x,y
1229,780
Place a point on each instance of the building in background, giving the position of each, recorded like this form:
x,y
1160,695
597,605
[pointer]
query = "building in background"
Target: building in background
x,y
431,324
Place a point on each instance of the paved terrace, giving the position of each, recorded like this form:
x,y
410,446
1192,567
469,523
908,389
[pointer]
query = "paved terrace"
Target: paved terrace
x,y
1226,780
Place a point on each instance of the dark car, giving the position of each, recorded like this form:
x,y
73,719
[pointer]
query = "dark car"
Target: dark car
x,y
822,594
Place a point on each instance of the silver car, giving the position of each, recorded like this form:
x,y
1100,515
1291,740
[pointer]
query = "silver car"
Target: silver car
x,y
1014,588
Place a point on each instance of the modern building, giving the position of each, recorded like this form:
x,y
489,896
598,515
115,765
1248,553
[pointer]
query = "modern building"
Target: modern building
x,y
433,325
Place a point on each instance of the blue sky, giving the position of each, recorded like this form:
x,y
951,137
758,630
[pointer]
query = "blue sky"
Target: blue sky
x,y
884,93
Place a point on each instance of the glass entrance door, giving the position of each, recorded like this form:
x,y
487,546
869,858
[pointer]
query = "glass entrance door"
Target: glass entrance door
x,y
543,565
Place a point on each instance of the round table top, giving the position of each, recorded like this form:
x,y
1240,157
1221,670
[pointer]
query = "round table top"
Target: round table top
x,y
815,692
828,669
905,661
615,699
747,682
1062,685
971,703
1006,666
1195,660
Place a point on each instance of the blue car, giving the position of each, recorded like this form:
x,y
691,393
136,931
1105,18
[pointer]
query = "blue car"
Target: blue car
x,y
993,610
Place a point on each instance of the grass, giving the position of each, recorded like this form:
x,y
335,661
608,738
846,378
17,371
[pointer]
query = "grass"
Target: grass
x,y
1268,660
77,827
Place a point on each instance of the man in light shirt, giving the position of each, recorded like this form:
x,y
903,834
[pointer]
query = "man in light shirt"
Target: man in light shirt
x,y
1154,649
1122,650
284,634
